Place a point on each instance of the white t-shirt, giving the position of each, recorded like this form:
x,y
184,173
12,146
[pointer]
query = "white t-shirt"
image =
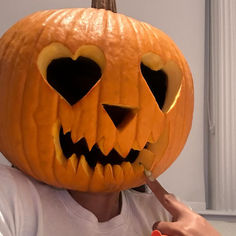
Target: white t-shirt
x,y
30,208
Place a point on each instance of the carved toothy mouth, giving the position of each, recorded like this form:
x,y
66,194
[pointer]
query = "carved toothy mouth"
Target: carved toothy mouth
x,y
94,155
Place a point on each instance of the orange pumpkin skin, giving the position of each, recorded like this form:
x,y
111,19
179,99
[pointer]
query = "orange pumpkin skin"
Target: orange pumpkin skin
x,y
32,111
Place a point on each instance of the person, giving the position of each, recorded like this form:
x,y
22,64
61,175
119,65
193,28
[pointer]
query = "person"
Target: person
x,y
31,208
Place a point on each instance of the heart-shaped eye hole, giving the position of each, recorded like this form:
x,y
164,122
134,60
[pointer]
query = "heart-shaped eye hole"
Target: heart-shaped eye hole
x,y
72,75
73,79
157,82
164,80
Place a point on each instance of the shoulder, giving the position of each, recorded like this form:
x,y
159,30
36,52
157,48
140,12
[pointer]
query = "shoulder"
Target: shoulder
x,y
16,187
15,181
11,180
19,201
11,174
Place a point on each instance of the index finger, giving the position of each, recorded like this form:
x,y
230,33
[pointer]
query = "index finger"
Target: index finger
x,y
157,189
167,199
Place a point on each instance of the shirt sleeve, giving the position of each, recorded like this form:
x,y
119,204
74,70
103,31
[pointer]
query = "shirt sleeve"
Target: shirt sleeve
x,y
20,204
9,204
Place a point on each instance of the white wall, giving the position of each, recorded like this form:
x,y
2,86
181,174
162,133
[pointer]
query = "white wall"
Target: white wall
x,y
184,21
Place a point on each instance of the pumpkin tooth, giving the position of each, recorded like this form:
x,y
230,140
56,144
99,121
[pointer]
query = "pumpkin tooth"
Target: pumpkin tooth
x,y
109,177
157,129
105,149
75,137
128,172
151,139
123,153
146,158
97,183
61,158
84,174
100,144
90,142
55,132
65,115
108,172
118,175
66,130
136,146
154,137
160,146
138,170
73,162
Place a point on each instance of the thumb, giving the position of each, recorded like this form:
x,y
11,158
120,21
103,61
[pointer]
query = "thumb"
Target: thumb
x,y
167,228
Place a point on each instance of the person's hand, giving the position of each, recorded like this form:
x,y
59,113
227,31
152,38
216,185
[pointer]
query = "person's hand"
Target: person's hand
x,y
185,221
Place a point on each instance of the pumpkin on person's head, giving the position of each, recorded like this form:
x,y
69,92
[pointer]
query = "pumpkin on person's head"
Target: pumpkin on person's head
x,y
86,95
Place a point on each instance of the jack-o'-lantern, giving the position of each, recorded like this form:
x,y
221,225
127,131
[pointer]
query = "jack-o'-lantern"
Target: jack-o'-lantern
x,y
89,97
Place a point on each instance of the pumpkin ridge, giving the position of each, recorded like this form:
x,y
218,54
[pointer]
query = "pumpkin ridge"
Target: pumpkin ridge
x,y
2,55
23,98
151,31
10,80
120,21
148,41
106,132
18,32
20,121
76,133
51,16
20,105
139,77
63,14
97,180
74,23
118,24
84,18
109,179
162,148
83,173
87,131
26,79
136,39
54,158
182,134
54,100
178,141
99,91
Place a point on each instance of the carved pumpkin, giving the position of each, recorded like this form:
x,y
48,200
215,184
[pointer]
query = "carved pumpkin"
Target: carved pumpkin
x,y
86,95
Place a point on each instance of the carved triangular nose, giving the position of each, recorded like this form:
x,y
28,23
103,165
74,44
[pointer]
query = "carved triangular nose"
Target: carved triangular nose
x,y
119,115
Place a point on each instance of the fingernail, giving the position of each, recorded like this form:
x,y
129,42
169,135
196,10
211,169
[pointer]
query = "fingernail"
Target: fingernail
x,y
148,174
155,225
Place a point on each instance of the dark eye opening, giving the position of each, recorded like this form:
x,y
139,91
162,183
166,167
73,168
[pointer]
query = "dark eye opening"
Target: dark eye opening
x,y
157,82
73,79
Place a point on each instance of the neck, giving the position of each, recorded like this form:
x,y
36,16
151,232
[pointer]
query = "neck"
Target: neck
x,y
104,206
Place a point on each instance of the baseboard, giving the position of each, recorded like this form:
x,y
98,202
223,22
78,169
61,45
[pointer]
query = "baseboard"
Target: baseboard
x,y
200,208
229,216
